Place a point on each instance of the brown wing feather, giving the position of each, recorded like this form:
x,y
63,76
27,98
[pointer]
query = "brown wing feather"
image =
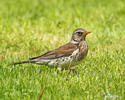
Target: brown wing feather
x,y
65,50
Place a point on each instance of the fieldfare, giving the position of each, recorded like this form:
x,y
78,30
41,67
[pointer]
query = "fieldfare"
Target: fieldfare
x,y
67,55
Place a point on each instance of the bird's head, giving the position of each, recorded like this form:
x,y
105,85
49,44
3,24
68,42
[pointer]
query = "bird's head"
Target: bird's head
x,y
79,35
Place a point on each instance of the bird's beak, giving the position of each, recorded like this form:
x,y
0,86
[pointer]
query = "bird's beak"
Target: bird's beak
x,y
87,32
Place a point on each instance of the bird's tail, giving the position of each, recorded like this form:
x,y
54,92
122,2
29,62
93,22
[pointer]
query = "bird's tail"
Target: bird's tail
x,y
23,62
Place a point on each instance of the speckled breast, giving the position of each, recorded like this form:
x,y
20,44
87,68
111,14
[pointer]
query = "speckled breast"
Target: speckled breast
x,y
83,50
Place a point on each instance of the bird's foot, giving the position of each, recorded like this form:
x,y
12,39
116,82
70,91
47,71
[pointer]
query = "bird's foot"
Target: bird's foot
x,y
71,69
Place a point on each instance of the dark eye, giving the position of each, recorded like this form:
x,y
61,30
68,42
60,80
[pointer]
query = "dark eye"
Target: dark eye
x,y
80,33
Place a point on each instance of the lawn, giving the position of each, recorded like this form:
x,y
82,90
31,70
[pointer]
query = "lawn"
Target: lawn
x,y
30,28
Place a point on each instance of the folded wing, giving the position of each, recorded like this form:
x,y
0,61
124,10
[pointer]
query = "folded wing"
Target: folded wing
x,y
62,51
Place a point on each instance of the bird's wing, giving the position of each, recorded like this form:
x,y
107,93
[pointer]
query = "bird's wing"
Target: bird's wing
x,y
65,50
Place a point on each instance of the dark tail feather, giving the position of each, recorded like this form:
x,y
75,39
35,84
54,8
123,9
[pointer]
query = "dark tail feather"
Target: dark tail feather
x,y
23,62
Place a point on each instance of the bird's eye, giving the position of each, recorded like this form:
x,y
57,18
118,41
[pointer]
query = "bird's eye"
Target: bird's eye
x,y
80,33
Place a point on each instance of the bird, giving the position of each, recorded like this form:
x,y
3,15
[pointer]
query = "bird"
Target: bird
x,y
66,56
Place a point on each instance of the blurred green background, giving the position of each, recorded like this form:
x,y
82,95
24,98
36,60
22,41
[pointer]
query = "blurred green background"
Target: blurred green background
x,y
30,28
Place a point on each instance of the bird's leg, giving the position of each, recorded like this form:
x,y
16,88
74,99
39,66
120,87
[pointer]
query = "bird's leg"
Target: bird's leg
x,y
68,68
72,69
64,68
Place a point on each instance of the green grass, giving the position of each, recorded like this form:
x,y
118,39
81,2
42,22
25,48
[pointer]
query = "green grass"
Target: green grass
x,y
29,28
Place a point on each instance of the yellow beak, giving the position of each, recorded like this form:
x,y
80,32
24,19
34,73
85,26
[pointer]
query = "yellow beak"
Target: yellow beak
x,y
87,32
